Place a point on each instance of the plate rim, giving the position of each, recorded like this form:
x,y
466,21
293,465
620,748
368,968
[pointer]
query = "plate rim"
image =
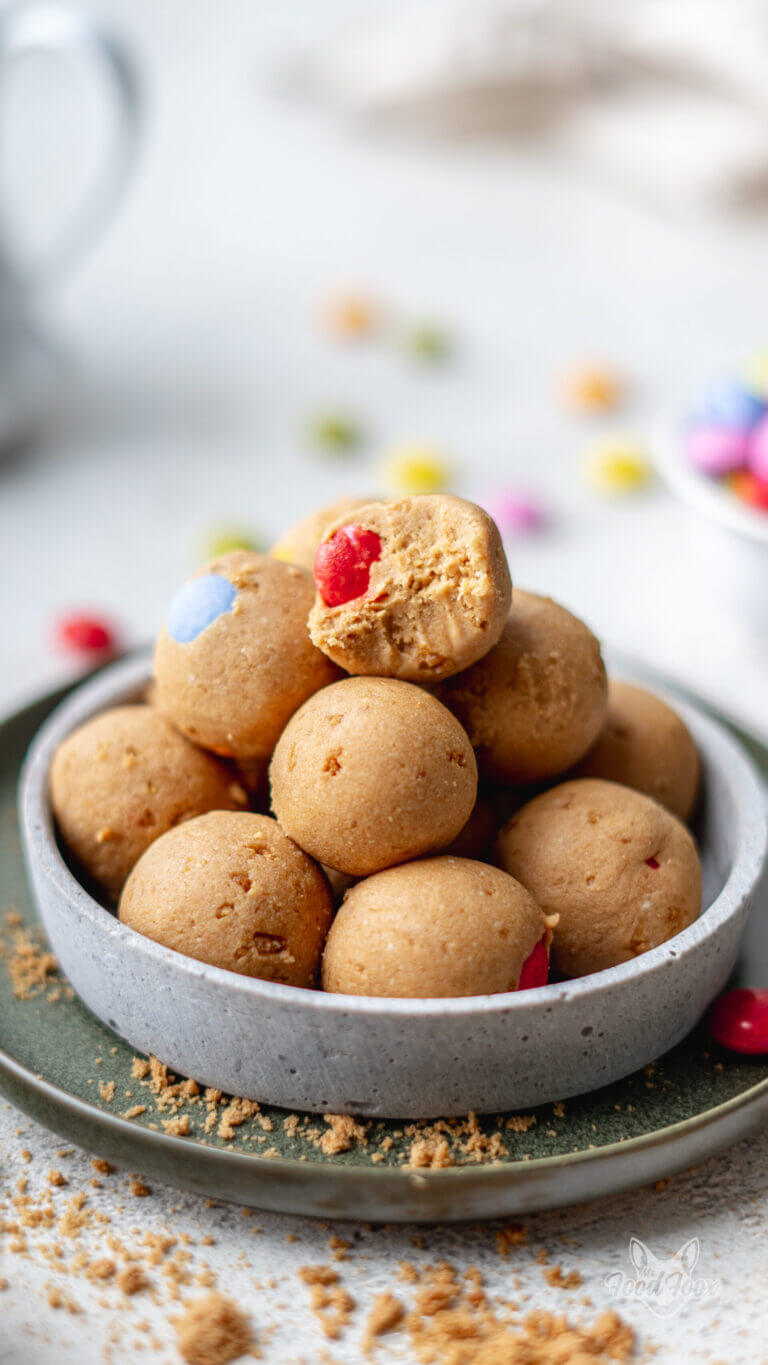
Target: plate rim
x,y
496,1170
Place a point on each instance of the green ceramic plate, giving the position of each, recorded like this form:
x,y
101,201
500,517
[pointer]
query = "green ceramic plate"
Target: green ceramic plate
x,y
694,1102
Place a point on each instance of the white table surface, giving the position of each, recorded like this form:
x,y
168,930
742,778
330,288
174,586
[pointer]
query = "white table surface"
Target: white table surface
x,y
193,365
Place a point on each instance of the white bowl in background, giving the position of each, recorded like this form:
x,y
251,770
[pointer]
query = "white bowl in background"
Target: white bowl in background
x,y
737,533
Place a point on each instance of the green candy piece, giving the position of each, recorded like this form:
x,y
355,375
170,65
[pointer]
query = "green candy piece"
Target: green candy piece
x,y
335,432
424,341
227,538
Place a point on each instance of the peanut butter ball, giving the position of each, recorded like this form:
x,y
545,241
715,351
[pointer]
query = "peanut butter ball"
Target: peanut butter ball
x,y
416,588
533,705
438,927
298,546
620,871
371,772
233,891
645,745
123,779
234,660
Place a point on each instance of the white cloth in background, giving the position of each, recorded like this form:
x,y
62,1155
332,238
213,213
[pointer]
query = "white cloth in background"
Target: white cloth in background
x,y
667,97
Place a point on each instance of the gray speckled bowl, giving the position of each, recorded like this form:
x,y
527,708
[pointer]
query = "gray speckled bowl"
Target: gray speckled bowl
x,y
303,1049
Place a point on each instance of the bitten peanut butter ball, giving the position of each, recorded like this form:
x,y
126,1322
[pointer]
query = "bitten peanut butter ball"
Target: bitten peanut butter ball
x,y
620,871
371,772
645,745
123,779
234,659
534,705
415,589
233,891
438,927
299,545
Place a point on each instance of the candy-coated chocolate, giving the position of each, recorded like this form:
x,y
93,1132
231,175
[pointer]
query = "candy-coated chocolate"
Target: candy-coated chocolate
x,y
590,388
197,605
617,467
738,1020
758,451
416,469
749,489
517,513
535,968
716,450
425,341
729,404
348,316
83,634
299,544
335,431
227,538
343,564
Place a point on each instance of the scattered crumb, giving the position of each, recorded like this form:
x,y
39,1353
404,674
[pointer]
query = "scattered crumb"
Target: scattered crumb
x,y
385,1315
343,1131
213,1330
132,1279
556,1277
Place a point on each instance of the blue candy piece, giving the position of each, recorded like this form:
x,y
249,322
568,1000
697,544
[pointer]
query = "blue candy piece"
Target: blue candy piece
x,y
728,404
197,604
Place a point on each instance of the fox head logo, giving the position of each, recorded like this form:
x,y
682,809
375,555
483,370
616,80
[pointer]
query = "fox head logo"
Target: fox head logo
x,y
664,1283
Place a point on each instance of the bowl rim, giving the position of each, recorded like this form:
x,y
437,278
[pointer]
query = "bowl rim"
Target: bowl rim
x,y
114,685
703,492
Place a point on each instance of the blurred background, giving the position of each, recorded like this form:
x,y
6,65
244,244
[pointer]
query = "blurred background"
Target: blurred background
x,y
333,247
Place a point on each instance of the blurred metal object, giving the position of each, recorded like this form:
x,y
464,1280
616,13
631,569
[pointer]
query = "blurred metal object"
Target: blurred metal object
x,y
29,364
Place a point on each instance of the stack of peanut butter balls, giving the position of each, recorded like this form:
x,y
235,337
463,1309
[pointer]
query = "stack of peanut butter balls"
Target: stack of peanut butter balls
x,y
369,764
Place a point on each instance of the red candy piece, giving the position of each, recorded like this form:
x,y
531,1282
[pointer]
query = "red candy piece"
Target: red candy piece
x,y
83,634
343,564
750,489
535,968
739,1021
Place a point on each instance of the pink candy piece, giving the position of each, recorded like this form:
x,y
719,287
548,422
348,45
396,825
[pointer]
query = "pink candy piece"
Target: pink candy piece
x,y
517,513
758,451
717,450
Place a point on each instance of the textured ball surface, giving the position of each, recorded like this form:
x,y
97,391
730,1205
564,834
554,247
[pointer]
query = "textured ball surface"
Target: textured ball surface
x,y
438,927
371,772
534,705
645,745
622,873
122,780
234,659
231,890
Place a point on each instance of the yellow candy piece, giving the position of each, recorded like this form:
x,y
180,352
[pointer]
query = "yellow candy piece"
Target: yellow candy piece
x,y
279,553
416,469
590,388
350,315
756,373
617,467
